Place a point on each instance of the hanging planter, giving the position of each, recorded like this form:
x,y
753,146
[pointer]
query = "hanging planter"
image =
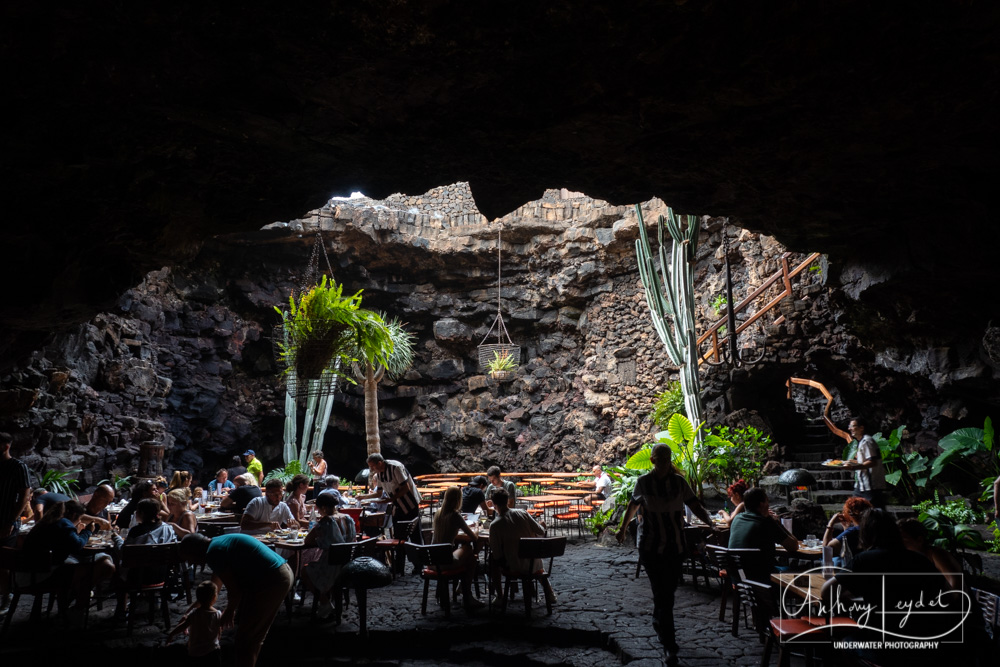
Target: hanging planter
x,y
500,359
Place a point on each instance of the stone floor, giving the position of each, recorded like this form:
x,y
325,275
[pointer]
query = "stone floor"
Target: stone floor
x,y
602,617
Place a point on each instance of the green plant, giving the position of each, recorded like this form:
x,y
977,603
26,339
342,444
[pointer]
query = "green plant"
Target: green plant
x,y
693,453
723,330
668,403
718,303
816,268
291,469
596,523
320,327
670,297
970,451
742,453
501,362
533,490
994,545
61,481
945,530
117,482
955,510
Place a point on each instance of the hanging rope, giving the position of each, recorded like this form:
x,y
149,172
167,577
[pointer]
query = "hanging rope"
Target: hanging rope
x,y
312,272
504,347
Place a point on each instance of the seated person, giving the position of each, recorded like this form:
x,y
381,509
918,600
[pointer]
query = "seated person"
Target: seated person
x,y
735,493
474,496
332,528
914,535
448,522
332,488
505,531
269,512
246,490
756,528
602,486
845,544
140,491
180,515
296,490
97,507
221,483
61,533
149,528
42,500
497,483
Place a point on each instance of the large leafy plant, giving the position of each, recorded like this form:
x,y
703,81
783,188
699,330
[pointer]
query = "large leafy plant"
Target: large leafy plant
x,y
668,403
741,454
693,452
947,532
61,481
291,469
970,451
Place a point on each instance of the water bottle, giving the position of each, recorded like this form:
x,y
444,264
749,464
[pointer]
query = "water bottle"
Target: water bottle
x,y
312,519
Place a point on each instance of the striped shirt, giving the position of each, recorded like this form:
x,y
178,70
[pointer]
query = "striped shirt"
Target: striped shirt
x,y
395,476
13,482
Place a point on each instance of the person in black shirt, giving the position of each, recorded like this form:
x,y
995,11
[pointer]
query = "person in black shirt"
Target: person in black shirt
x,y
140,491
474,495
45,500
15,495
240,497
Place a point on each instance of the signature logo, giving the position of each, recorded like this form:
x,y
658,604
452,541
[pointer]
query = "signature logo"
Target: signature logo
x,y
905,610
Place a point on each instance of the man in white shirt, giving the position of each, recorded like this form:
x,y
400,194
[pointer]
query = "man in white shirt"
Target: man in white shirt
x,y
869,470
268,512
602,486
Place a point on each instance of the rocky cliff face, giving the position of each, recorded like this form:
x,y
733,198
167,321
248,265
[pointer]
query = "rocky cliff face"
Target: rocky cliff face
x,y
186,361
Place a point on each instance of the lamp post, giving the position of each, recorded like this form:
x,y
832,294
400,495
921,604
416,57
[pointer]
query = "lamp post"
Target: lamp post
x,y
730,354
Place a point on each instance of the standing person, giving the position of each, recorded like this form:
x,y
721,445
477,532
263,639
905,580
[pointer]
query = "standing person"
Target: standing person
x,y
869,475
393,478
221,483
204,626
269,512
505,532
474,495
317,466
602,485
256,580
254,466
497,483
241,496
15,498
662,495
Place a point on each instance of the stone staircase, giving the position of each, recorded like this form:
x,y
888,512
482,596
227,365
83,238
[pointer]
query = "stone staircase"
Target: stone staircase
x,y
833,487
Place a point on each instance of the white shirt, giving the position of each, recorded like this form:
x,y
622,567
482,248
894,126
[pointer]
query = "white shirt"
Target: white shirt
x,y
603,485
260,510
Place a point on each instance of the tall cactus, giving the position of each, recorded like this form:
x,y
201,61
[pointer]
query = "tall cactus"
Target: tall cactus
x,y
671,299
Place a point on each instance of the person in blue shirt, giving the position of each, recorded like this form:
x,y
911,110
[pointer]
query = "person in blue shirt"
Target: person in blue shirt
x,y
221,482
256,580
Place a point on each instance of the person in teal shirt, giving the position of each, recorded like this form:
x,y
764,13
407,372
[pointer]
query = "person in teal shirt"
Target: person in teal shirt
x,y
257,580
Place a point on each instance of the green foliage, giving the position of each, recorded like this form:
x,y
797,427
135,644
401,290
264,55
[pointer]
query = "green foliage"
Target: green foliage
x,y
291,469
970,452
596,523
956,510
501,362
117,482
61,481
742,453
907,470
694,454
948,525
533,490
816,268
718,303
994,545
323,325
668,403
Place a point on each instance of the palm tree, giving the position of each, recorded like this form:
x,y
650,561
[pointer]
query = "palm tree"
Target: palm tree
x,y
385,348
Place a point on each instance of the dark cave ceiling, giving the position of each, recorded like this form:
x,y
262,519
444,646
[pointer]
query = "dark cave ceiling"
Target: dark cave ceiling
x,y
866,131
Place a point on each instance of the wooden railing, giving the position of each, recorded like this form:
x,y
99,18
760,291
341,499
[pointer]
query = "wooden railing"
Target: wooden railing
x,y
785,275
826,410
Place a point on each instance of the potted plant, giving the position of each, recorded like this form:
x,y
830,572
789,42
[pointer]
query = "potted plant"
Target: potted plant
x,y
317,328
501,366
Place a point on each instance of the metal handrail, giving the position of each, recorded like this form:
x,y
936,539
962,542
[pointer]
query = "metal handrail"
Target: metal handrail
x,y
826,410
785,275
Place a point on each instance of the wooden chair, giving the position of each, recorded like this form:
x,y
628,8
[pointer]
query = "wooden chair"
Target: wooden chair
x,y
436,563
30,577
716,555
393,550
147,567
532,547
736,561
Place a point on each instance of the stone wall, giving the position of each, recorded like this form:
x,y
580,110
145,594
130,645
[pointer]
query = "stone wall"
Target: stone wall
x,y
186,359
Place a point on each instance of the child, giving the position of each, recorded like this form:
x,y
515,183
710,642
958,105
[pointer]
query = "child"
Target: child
x,y
204,625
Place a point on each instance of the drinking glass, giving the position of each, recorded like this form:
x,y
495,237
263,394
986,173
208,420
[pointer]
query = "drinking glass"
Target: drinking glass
x,y
811,541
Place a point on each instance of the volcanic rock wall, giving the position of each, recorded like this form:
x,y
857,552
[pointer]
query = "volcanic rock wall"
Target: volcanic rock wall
x,y
186,360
